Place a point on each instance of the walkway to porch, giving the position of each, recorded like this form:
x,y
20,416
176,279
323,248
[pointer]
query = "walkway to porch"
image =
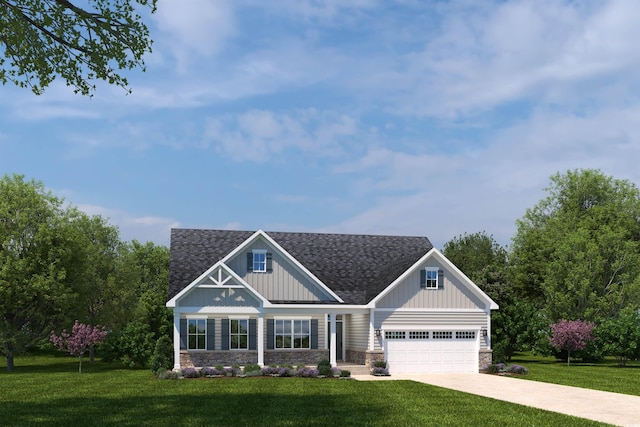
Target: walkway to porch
x,y
353,368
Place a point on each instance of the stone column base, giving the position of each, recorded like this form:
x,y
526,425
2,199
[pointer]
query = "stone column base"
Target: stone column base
x,y
371,356
485,358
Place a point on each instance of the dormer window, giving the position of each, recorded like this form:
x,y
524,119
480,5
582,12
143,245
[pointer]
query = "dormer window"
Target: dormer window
x,y
259,261
429,278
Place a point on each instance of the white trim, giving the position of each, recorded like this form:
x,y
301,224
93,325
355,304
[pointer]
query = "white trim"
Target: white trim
x,y
293,317
196,316
426,279
217,310
410,327
434,253
207,275
286,254
238,317
434,310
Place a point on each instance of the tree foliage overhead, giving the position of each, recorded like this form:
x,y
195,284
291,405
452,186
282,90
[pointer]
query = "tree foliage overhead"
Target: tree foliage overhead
x,y
577,252
80,41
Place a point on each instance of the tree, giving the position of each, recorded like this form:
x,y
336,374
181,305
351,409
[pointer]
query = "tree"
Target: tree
x,y
81,338
516,325
34,253
42,39
576,254
620,337
571,335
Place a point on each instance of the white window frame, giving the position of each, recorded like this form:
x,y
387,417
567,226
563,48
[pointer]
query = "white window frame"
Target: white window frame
x,y
237,334
262,263
200,337
292,335
429,282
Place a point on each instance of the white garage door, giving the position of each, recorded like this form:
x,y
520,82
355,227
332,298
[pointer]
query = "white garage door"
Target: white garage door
x,y
427,352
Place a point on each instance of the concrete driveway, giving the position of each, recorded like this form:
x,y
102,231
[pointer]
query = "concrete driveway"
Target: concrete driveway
x,y
612,408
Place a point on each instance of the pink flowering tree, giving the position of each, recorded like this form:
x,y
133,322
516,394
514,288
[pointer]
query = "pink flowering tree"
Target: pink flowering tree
x,y
81,338
571,335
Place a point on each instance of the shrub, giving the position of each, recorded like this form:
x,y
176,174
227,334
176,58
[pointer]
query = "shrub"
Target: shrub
x,y
307,373
284,372
219,367
190,373
269,370
380,364
167,375
251,368
335,372
324,362
345,374
162,358
379,371
135,344
493,369
517,369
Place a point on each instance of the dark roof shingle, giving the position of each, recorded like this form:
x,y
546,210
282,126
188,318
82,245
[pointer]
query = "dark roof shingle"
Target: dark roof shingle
x,y
356,267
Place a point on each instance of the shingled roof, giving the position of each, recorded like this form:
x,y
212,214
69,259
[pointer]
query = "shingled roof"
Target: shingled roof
x,y
356,267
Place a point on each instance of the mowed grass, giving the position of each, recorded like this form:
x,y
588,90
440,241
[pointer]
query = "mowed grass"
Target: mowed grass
x,y
606,375
48,391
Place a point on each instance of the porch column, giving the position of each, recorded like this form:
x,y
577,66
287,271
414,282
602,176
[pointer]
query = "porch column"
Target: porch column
x,y
260,333
332,341
372,316
176,341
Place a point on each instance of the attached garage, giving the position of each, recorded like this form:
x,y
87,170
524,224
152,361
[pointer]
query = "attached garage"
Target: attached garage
x,y
430,352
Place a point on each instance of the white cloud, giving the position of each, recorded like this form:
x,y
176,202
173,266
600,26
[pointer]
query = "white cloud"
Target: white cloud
x,y
199,27
260,135
142,228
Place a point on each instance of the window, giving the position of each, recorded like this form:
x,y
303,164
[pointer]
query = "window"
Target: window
x,y
292,333
442,335
418,335
197,333
394,335
259,261
239,334
429,278
465,335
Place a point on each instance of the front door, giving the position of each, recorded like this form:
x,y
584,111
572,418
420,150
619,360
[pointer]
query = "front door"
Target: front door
x,y
338,337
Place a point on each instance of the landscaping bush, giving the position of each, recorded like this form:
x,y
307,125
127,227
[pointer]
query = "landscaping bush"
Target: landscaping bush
x,y
493,369
380,364
517,369
251,368
379,371
307,373
190,373
345,374
167,375
162,358
324,368
211,372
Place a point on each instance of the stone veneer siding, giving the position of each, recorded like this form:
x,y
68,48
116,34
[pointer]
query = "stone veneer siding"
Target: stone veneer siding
x,y
201,359
356,356
485,358
372,356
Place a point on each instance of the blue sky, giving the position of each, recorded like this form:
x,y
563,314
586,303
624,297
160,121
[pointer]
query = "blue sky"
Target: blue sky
x,y
401,117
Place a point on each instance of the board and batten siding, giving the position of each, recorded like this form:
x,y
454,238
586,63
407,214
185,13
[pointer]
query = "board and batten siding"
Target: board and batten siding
x,y
221,297
358,332
430,320
452,293
284,283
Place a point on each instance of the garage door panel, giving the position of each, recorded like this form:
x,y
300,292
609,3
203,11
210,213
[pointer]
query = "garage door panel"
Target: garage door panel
x,y
447,355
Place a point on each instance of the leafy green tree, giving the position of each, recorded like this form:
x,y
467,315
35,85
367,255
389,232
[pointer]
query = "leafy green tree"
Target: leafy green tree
x,y
517,324
576,254
34,253
78,41
620,337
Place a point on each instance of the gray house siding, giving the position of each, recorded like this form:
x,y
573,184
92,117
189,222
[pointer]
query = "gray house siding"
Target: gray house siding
x,y
284,283
358,332
451,293
227,297
431,320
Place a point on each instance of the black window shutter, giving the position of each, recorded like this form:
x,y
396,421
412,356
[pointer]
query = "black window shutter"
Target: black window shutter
x,y
253,336
440,278
225,334
314,333
211,334
269,262
183,334
423,278
249,262
270,333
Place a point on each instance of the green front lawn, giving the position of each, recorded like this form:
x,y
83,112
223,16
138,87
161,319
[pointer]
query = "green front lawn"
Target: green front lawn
x,y
605,375
48,391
